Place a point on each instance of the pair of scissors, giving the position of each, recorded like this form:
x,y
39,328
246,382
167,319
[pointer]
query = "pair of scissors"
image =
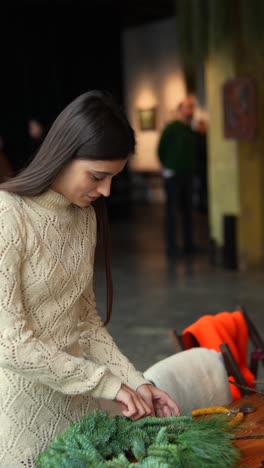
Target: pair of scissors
x,y
238,412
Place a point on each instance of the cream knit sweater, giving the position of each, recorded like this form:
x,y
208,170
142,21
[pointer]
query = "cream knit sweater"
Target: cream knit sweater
x,y
54,354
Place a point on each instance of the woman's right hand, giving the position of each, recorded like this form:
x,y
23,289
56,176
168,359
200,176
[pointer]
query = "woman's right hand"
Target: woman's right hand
x,y
131,403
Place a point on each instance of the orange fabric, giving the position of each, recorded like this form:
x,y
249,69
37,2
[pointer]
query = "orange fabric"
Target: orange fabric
x,y
231,328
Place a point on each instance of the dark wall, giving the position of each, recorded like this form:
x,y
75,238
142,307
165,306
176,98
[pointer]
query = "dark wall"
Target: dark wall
x,y
49,55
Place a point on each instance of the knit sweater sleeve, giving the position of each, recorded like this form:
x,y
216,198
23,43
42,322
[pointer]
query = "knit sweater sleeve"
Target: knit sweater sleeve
x,y
99,346
20,351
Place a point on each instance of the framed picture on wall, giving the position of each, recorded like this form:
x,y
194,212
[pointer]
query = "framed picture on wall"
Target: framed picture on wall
x,y
147,118
240,114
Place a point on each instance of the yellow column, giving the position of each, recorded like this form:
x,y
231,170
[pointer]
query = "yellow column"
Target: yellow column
x,y
223,168
251,161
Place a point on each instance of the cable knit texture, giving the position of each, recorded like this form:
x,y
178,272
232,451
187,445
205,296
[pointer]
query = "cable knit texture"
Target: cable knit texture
x,y
56,358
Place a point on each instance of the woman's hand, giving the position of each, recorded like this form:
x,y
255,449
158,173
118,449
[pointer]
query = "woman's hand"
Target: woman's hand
x,y
132,404
159,401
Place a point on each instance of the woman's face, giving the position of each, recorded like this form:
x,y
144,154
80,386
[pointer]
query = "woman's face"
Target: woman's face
x,y
83,181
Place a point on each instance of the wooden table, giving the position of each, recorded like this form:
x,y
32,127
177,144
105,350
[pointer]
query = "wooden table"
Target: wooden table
x,y
252,449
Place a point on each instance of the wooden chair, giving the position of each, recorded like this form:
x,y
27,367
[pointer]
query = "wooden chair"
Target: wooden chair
x,y
231,366
182,342
257,355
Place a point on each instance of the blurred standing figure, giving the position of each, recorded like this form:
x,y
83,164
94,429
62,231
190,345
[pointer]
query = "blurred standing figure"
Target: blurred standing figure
x,y
36,132
176,152
5,167
201,131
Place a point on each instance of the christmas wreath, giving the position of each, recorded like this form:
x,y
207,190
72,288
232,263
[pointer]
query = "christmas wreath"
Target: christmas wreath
x,y
101,441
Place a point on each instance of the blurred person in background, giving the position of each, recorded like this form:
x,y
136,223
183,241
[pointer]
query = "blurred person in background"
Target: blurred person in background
x,y
36,132
15,142
177,154
5,167
201,147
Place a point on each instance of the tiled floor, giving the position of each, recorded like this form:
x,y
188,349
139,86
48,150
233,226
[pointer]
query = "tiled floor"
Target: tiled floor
x,y
151,295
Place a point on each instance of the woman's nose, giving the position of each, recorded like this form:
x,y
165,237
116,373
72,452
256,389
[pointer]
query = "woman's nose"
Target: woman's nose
x,y
104,188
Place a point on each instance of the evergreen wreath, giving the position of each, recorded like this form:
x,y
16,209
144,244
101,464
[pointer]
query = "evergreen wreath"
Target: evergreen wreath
x,y
101,441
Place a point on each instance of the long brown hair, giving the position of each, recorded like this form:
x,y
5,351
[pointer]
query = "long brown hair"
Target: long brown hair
x,y
91,127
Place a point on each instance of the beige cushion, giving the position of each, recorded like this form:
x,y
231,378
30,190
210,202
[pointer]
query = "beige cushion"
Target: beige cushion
x,y
194,379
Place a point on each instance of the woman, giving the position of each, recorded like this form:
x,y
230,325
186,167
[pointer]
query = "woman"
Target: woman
x,y
56,358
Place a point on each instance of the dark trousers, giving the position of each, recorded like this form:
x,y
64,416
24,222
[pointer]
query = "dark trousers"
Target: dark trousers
x,y
178,202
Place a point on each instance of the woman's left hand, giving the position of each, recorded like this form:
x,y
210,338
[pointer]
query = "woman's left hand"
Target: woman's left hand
x,y
159,401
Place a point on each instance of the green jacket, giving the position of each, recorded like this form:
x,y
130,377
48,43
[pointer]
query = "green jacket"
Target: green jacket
x,y
177,148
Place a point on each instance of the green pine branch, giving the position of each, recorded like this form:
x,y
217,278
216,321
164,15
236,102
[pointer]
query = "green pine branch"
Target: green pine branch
x,y
101,441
